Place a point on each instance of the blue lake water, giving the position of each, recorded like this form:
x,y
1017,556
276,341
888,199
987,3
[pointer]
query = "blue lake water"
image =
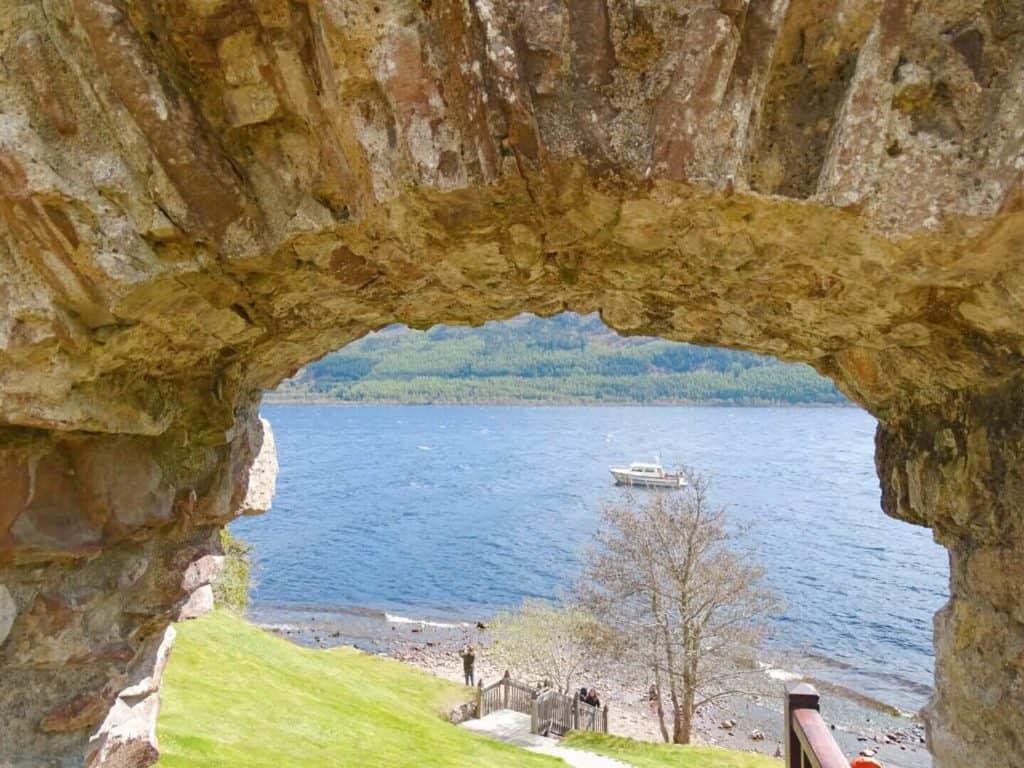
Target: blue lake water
x,y
454,512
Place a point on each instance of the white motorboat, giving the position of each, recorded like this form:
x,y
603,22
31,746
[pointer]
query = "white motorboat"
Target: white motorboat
x,y
647,475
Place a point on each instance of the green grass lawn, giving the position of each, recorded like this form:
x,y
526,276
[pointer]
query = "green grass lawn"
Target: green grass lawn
x,y
237,696
643,755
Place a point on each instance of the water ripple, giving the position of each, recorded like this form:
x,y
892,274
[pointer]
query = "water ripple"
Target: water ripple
x,y
458,511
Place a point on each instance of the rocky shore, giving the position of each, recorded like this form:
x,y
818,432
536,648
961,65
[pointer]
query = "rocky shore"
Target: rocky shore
x,y
751,723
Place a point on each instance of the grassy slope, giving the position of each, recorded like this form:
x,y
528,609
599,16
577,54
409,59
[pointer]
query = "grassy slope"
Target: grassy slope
x,y
666,755
237,696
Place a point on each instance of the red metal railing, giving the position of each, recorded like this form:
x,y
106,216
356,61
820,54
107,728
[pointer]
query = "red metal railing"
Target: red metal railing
x,y
809,742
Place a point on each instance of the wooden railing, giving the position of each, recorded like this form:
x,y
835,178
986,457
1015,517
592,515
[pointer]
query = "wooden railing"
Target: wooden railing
x,y
551,712
555,714
505,694
809,742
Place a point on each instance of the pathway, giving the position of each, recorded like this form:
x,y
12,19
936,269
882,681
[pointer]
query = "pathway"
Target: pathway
x,y
514,728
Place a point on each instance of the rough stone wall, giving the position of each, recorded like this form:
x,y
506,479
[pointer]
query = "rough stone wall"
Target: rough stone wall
x,y
197,197
111,540
959,468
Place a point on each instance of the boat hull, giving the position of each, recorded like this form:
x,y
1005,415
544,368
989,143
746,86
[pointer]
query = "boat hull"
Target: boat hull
x,y
639,481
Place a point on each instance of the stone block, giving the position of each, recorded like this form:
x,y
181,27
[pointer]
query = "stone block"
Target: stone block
x,y
202,572
259,494
199,603
8,612
79,713
250,104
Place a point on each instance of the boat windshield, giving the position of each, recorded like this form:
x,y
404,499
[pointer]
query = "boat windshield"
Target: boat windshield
x,y
646,468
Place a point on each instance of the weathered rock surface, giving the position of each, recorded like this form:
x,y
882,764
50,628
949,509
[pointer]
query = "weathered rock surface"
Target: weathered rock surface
x,y
128,733
197,197
262,475
90,602
959,468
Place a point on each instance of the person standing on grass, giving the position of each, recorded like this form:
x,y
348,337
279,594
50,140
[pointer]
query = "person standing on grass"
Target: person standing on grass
x,y
468,662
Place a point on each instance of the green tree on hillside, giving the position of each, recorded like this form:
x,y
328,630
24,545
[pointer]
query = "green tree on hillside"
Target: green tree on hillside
x,y
568,358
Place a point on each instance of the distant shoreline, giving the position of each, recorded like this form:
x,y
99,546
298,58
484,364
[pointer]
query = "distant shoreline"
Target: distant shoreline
x,y
272,399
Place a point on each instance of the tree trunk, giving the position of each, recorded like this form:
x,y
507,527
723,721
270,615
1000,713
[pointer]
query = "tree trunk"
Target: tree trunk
x,y
661,706
684,719
678,728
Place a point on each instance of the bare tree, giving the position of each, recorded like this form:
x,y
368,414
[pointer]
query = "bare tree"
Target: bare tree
x,y
545,642
676,593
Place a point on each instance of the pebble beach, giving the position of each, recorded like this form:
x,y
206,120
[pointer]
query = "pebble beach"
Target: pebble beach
x,y
751,723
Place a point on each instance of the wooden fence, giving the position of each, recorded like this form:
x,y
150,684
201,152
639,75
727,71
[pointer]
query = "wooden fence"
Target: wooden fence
x,y
555,714
809,742
551,713
505,694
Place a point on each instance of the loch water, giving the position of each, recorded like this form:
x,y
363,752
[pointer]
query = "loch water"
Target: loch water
x,y
455,512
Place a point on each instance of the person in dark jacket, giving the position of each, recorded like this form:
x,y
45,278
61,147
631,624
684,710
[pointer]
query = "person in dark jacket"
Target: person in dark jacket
x,y
592,698
468,662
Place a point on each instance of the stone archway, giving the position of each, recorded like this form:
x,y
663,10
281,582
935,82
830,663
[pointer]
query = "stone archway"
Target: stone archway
x,y
199,196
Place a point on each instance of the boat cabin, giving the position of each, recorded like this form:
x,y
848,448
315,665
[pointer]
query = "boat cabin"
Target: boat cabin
x,y
649,469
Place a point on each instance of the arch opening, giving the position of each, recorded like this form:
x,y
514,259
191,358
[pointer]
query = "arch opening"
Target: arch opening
x,y
476,506
157,556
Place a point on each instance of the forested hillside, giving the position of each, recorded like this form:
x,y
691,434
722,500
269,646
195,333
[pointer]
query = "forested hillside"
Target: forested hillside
x,y
568,358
